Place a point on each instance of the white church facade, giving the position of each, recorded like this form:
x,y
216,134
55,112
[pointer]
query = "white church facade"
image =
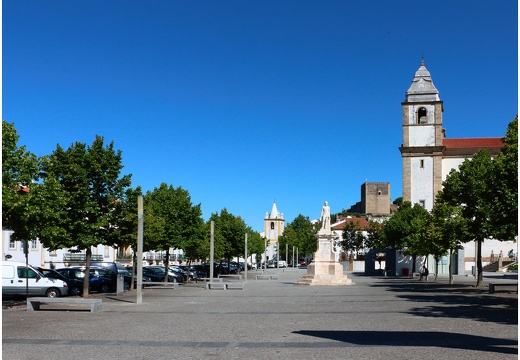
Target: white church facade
x,y
428,156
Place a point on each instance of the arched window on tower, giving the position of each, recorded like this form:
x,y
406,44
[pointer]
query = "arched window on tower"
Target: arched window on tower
x,y
272,225
422,117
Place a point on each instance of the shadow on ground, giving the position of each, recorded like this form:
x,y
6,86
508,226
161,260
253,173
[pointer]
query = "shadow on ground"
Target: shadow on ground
x,y
418,338
455,300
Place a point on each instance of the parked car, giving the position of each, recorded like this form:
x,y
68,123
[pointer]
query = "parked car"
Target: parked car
x,y
96,282
282,264
17,279
156,273
75,286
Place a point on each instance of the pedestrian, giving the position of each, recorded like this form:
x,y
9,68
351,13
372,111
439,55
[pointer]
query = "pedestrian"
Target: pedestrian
x,y
424,273
492,259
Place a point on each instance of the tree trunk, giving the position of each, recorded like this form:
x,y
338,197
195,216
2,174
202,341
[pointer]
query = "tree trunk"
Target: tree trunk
x,y
86,279
436,268
450,276
134,269
480,277
166,265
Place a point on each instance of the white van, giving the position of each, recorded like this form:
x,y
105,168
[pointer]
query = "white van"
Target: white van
x,y
15,275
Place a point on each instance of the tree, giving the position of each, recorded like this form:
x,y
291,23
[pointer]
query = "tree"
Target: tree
x,y
300,233
89,188
374,238
405,230
444,232
504,185
469,188
352,237
174,220
20,171
229,235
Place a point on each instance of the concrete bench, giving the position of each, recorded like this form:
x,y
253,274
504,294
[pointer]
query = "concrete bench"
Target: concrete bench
x,y
34,303
216,285
492,286
236,285
267,277
239,277
225,285
173,285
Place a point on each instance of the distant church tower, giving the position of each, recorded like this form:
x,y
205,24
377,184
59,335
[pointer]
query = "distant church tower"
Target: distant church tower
x,y
273,228
422,146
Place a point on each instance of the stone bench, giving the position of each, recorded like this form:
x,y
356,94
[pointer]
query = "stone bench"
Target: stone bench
x,y
225,285
216,285
239,277
492,286
173,285
267,277
34,303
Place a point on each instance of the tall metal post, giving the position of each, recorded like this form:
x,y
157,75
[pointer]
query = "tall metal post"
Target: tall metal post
x,y
245,260
139,264
286,254
211,250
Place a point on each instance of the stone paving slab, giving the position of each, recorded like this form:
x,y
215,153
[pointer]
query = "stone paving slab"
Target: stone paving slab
x,y
378,318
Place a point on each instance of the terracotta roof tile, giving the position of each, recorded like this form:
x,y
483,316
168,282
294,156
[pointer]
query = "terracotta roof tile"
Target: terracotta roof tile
x,y
462,143
363,223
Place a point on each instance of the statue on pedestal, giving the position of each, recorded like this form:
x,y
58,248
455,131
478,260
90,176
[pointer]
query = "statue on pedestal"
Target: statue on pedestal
x,y
325,218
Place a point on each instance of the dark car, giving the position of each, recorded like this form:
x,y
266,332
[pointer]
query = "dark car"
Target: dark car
x,y
96,283
75,286
127,273
156,273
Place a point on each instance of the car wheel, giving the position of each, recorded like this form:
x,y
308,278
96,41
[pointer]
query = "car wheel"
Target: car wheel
x,y
52,293
104,288
75,291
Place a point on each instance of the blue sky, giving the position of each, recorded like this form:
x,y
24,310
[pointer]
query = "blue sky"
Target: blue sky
x,y
246,102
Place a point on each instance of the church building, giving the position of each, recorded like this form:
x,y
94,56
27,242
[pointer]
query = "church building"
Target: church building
x,y
273,228
428,155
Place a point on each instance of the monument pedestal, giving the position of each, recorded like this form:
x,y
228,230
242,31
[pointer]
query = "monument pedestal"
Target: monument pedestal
x,y
324,269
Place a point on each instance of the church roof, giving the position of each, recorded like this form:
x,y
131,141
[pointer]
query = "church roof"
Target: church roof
x,y
422,88
473,143
274,213
469,146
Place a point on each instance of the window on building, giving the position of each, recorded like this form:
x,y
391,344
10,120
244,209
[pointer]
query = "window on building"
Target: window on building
x,y
12,244
422,203
34,245
422,164
107,251
272,225
53,253
422,116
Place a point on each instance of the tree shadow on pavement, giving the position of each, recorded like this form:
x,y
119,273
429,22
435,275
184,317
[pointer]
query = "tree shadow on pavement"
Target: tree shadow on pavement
x,y
456,301
418,338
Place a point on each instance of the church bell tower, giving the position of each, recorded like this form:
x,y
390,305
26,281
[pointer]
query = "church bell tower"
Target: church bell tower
x,y
422,147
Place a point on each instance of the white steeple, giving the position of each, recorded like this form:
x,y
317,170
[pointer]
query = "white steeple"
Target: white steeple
x,y
274,212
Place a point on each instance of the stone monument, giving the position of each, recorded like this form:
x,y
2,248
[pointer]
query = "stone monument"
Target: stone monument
x,y
325,269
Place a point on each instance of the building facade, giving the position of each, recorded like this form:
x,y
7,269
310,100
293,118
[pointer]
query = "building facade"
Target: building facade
x,y
274,223
427,155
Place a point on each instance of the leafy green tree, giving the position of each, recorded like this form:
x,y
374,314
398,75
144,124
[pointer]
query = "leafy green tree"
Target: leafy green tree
x,y
445,229
352,237
374,238
230,233
504,187
255,243
469,188
20,171
405,230
174,220
300,233
89,188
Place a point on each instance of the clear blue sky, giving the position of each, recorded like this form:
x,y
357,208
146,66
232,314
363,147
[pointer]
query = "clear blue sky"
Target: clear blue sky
x,y
245,102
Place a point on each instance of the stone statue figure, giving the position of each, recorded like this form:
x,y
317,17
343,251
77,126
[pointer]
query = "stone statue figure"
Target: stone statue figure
x,y
325,217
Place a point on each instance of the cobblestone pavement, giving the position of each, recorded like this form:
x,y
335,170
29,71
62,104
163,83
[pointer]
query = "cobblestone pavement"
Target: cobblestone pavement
x,y
377,318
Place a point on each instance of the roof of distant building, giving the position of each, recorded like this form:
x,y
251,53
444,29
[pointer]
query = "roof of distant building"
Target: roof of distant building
x,y
363,223
473,143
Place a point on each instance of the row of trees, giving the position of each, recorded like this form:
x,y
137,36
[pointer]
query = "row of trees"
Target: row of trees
x,y
479,201
77,198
